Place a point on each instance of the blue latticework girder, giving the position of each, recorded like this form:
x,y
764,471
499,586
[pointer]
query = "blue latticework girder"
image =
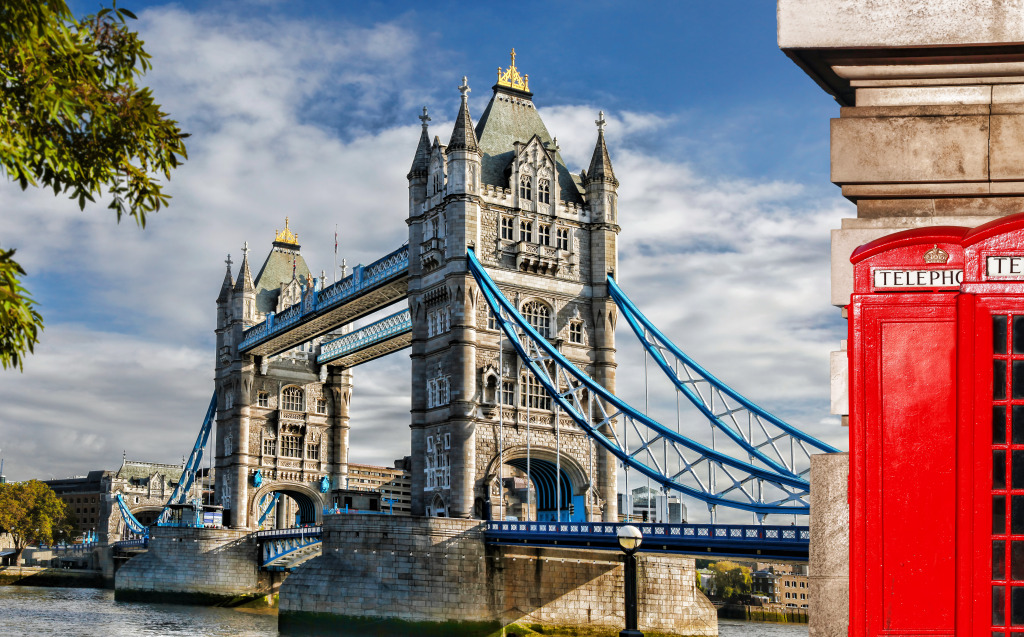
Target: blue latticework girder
x,y
195,460
756,433
386,329
362,280
130,520
667,457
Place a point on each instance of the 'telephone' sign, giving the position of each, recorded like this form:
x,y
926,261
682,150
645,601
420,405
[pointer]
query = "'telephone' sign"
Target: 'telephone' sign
x,y
909,279
1004,267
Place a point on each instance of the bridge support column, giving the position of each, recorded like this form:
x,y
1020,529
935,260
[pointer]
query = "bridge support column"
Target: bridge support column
x,y
339,384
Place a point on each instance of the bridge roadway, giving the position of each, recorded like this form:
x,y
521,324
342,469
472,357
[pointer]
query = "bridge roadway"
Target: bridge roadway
x,y
284,549
368,289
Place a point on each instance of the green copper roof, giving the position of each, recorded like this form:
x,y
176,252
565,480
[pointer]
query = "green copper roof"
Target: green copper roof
x,y
510,116
277,269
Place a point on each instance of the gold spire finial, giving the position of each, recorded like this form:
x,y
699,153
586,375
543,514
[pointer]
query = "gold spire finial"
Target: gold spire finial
x,y
286,235
511,77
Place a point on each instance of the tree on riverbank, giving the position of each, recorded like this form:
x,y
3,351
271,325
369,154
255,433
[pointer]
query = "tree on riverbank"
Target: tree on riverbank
x,y
74,120
729,580
33,514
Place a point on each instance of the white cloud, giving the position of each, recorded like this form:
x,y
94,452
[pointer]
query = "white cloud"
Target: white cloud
x,y
299,119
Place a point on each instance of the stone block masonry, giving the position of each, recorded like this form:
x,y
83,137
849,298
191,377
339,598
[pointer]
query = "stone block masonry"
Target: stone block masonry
x,y
434,571
204,566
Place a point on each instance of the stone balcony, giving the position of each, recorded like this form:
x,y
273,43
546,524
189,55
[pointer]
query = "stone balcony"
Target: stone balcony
x,y
538,259
432,253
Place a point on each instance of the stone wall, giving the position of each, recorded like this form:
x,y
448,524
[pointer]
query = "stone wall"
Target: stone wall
x,y
830,545
435,570
193,566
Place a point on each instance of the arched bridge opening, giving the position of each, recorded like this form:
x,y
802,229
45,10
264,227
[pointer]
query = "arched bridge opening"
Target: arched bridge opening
x,y
296,505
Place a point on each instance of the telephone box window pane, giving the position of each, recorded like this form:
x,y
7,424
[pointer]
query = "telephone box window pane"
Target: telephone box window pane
x,y
999,334
1018,469
999,380
1017,416
1016,561
998,606
1018,335
999,424
999,559
1018,379
1017,514
998,514
1017,606
999,470
996,633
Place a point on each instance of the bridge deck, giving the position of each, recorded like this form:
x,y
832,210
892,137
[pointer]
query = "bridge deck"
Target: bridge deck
x,y
384,337
366,290
789,543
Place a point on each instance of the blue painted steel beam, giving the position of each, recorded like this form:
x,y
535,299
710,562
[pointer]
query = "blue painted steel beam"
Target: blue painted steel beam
x,y
790,543
386,329
363,280
536,353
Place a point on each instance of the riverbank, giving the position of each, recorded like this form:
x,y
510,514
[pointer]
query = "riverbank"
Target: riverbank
x,y
54,577
761,614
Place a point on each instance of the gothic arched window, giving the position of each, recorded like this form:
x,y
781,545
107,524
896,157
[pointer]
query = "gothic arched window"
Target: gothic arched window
x,y
291,399
544,191
525,188
539,317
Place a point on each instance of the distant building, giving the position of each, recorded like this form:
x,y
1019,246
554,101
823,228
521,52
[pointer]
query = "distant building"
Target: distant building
x,y
92,498
389,482
644,504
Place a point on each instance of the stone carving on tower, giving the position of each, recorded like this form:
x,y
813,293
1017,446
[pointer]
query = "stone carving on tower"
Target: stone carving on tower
x,y
548,237
282,421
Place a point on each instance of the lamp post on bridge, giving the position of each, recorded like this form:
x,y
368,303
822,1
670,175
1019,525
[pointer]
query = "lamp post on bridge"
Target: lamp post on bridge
x,y
630,539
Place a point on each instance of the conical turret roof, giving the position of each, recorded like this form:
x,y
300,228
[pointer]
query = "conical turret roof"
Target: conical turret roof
x,y
244,282
225,287
463,135
601,164
421,161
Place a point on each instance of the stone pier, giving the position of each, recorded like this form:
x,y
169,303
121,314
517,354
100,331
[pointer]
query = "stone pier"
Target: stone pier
x,y
436,576
194,566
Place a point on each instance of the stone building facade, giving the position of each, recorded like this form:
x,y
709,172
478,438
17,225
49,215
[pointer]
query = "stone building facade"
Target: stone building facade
x,y
282,427
548,238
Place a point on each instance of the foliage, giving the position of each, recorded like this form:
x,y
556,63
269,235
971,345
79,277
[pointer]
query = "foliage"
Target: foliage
x,y
729,580
20,323
73,119
33,514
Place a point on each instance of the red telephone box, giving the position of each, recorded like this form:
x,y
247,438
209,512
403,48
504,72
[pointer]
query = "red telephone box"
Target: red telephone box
x,y
990,446
903,424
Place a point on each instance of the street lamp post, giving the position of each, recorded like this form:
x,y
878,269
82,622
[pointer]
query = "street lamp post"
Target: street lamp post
x,y
630,538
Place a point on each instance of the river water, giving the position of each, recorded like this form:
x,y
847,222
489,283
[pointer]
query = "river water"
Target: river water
x,y
88,612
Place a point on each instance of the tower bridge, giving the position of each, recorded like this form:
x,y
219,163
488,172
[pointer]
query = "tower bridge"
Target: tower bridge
x,y
508,282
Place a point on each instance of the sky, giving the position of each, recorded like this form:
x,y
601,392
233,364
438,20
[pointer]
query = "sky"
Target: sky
x,y
309,110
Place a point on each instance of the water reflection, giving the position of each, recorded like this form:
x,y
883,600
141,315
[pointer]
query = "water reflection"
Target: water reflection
x,y
88,612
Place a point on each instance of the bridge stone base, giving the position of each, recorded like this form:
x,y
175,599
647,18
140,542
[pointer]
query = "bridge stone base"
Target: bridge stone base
x,y
204,566
433,571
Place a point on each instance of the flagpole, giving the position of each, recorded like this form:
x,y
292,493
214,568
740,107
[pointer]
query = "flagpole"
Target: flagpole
x,y
335,253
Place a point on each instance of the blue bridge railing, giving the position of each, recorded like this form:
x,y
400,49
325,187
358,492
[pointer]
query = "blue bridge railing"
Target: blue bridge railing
x,y
362,279
384,329
734,540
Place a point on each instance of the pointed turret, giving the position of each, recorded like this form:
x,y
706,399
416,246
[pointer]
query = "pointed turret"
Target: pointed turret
x,y
463,135
244,282
421,161
244,300
601,164
225,287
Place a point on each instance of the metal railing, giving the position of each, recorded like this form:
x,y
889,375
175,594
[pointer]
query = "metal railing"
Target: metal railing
x,y
363,278
388,327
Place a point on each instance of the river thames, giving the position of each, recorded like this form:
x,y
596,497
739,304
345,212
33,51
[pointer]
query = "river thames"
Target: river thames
x,y
89,612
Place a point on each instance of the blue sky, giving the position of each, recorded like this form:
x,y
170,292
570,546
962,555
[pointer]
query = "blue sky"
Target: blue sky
x,y
308,109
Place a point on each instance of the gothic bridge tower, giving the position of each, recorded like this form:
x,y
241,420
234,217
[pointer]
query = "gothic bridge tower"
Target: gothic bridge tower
x,y
548,238
282,420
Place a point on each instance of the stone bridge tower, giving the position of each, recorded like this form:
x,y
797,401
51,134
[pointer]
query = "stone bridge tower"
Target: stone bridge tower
x,y
548,237
282,420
